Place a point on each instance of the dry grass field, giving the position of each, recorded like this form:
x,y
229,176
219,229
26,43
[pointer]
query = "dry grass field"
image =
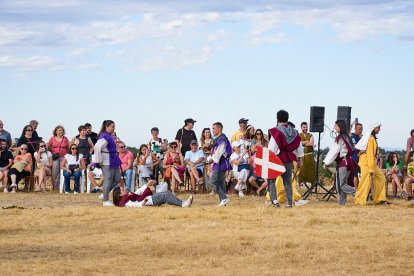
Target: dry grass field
x,y
55,234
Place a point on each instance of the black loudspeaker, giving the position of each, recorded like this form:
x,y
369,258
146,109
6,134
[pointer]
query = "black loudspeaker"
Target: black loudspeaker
x,y
344,113
317,119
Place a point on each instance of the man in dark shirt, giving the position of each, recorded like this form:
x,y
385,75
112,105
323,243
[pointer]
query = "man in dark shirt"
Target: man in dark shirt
x,y
5,135
90,134
34,124
6,161
185,135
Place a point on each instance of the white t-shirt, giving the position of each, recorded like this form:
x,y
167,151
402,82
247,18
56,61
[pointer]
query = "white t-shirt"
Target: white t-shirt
x,y
235,156
194,157
44,158
71,159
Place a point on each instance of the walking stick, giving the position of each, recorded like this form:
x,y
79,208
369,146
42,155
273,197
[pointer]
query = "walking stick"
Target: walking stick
x,y
372,186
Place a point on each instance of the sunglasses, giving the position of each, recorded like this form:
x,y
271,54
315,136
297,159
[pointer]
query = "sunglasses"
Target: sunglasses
x,y
29,129
23,148
122,147
74,148
42,146
174,147
258,133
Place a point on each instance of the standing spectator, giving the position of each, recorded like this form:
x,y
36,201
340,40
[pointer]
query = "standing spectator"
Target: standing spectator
x,y
341,152
84,143
5,135
106,155
156,147
147,162
410,177
127,160
72,165
308,169
6,161
371,174
185,135
206,141
27,139
394,168
90,133
22,167
355,137
220,164
241,131
410,147
34,124
284,142
58,145
44,165
174,166
194,159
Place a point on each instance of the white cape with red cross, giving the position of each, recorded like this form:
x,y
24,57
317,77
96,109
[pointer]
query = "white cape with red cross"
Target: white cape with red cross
x,y
268,165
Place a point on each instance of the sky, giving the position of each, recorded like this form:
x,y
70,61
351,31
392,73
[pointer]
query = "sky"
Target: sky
x,y
156,63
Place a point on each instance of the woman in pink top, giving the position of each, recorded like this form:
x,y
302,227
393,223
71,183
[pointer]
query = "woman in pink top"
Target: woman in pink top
x,y
59,143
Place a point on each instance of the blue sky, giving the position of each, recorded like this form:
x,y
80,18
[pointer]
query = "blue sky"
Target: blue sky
x,y
155,63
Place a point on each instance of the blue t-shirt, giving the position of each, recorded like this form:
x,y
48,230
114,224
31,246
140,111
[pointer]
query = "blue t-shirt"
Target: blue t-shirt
x,y
355,139
194,157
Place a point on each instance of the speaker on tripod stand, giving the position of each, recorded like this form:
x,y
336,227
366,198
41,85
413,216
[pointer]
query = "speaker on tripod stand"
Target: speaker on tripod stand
x,y
317,124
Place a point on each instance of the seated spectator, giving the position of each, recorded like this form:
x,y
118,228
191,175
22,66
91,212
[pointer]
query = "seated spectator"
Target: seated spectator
x,y
241,131
127,159
35,137
22,167
93,175
72,165
194,159
44,162
206,142
147,161
240,162
27,139
394,175
5,135
410,147
6,161
84,143
259,138
58,145
174,166
410,177
144,197
258,183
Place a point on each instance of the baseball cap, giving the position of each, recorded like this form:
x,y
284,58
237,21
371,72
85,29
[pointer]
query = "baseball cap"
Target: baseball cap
x,y
189,120
235,144
193,142
243,120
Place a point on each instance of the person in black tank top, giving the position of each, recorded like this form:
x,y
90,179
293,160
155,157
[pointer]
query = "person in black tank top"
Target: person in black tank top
x,y
85,144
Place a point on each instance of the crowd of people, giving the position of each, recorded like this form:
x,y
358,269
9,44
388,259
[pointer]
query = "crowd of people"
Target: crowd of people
x,y
208,162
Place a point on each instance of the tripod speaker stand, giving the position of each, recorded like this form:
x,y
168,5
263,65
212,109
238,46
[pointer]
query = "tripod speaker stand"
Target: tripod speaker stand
x,y
314,188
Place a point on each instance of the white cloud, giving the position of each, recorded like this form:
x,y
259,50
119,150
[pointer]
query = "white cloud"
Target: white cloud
x,y
28,64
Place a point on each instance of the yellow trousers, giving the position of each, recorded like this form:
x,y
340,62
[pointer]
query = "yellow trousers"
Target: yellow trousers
x,y
365,184
281,195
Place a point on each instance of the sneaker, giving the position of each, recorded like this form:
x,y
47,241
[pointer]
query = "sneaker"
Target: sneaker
x,y
5,190
188,202
75,193
14,185
301,202
275,204
95,190
404,195
241,194
224,202
13,191
410,198
67,193
108,204
288,205
384,203
100,196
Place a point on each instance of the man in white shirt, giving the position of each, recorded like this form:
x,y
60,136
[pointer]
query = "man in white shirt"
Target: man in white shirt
x,y
284,141
194,159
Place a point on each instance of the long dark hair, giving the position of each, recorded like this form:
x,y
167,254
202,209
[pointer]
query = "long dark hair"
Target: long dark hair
x,y
140,149
25,128
77,151
343,130
116,195
105,124
390,159
38,147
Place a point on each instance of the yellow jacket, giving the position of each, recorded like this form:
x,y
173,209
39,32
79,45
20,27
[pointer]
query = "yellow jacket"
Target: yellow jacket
x,y
369,157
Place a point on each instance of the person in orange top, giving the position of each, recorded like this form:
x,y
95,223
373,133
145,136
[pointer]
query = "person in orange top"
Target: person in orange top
x,y
22,167
370,172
